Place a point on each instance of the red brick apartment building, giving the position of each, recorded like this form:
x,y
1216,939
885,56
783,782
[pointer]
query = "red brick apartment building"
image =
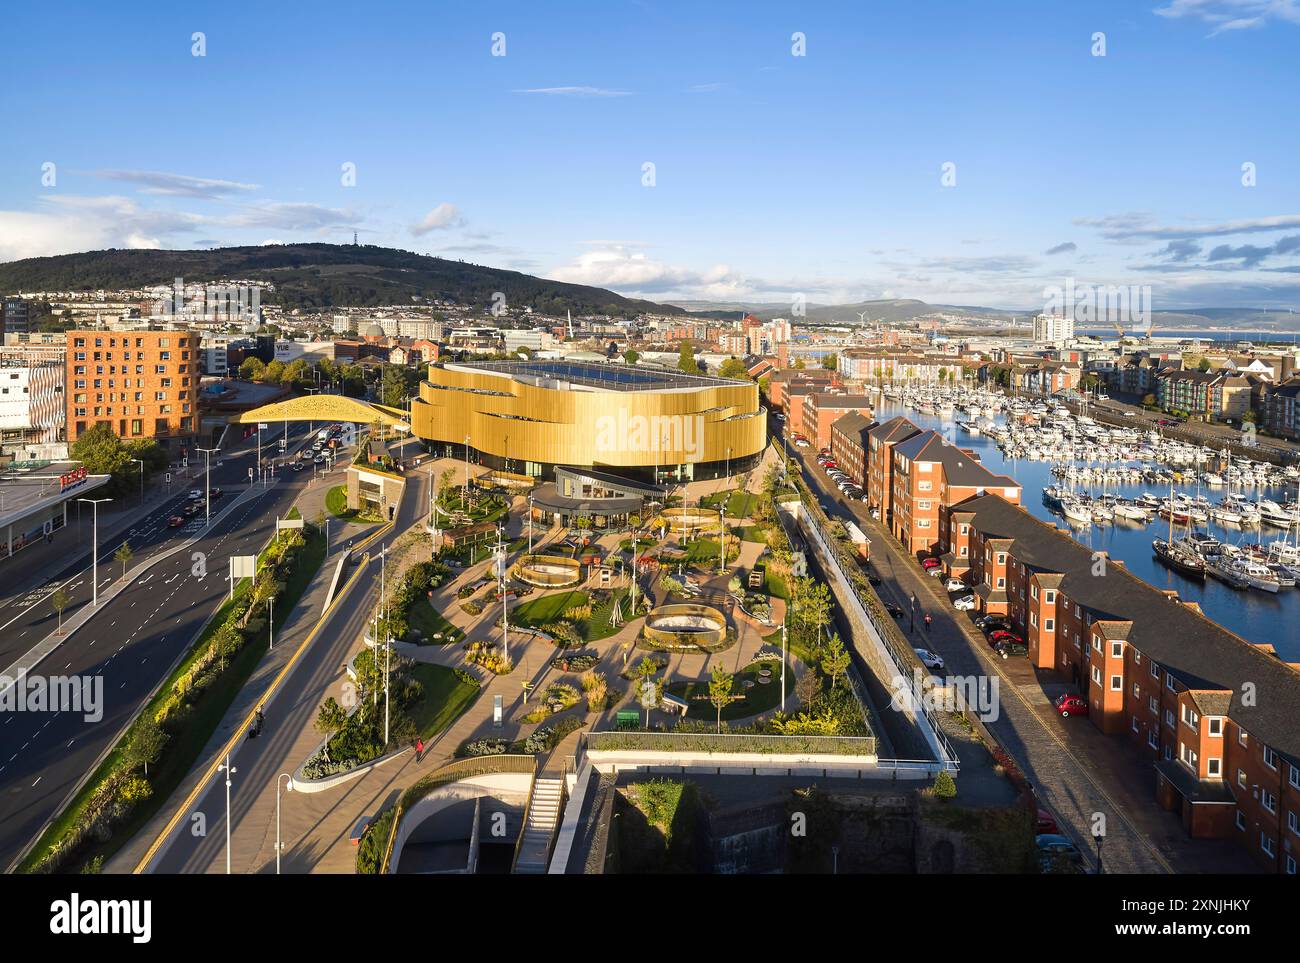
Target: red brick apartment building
x,y
849,445
780,382
880,463
1217,716
822,408
143,384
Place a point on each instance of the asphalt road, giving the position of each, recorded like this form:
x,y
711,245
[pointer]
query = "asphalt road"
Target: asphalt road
x,y
131,644
288,713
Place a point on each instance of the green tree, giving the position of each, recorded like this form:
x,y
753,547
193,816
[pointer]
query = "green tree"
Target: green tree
x,y
273,373
831,362
686,359
630,356
102,453
733,368
297,373
147,742
810,609
944,786
251,369
124,555
835,659
720,684
60,601
799,363
331,718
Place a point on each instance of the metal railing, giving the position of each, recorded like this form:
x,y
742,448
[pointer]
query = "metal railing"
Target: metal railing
x,y
712,743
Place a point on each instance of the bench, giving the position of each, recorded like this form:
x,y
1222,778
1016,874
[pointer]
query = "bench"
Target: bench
x,y
359,830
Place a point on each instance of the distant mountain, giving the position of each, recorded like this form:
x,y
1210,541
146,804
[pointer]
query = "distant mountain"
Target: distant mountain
x,y
906,309
316,277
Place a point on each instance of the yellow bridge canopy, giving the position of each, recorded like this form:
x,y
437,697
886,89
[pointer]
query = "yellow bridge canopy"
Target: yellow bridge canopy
x,y
325,408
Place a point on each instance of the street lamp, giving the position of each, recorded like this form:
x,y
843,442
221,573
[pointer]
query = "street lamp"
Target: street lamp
x,y
465,497
94,545
207,483
530,524
140,462
270,623
278,844
229,770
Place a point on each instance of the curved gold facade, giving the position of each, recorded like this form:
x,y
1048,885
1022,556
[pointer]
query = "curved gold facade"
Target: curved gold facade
x,y
523,418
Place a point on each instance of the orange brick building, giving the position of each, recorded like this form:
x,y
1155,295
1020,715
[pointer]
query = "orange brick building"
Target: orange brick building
x,y
822,408
142,384
1213,713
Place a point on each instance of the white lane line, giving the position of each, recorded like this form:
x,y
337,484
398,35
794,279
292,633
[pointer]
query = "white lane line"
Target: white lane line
x,y
39,778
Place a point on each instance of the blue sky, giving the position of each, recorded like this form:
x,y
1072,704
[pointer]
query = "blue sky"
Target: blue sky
x,y
774,174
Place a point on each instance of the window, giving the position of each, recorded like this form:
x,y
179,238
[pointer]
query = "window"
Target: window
x,y
1190,717
1241,778
1116,681
1295,777
1268,801
1290,865
1155,671
1188,756
1270,758
1293,821
1214,767
1241,737
1116,648
1241,821
1152,740
1153,705
1048,624
1096,675
1216,725
1266,844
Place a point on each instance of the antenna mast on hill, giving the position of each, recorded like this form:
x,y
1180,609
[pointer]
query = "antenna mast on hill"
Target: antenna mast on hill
x,y
354,239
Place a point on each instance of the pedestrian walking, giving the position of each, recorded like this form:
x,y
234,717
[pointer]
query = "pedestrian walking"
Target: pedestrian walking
x,y
928,619
419,749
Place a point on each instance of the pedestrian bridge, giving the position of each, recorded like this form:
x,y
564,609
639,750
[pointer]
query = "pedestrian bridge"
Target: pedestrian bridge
x,y
325,408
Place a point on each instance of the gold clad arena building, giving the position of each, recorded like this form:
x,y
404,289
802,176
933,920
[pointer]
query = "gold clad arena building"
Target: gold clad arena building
x,y
642,424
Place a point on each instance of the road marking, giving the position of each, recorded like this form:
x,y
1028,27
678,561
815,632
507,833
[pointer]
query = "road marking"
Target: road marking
x,y
38,779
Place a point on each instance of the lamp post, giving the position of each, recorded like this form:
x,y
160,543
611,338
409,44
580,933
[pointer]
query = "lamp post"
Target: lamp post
x,y
464,499
229,770
722,540
140,462
530,524
94,545
270,622
783,644
207,483
278,845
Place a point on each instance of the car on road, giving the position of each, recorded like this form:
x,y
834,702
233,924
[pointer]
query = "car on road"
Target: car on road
x,y
931,660
956,585
193,508
176,521
1007,649
214,492
1071,705
297,466
320,460
195,494
801,444
895,610
963,603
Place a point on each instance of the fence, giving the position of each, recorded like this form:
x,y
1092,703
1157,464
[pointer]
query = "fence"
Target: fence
x,y
728,743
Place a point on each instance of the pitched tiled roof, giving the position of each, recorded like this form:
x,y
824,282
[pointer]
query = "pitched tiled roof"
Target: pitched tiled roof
x,y
1198,651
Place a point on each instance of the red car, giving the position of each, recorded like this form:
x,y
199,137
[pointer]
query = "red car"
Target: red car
x,y
1046,824
1002,635
929,563
175,521
1068,705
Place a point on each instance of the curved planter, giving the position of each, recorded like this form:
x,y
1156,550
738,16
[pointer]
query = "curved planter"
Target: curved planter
x,y
686,623
690,519
548,571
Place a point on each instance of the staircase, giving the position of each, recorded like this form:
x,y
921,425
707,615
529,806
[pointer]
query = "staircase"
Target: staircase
x,y
540,820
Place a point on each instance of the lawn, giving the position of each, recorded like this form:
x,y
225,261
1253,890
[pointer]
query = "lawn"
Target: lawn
x,y
427,620
740,504
757,698
776,586
336,502
445,698
548,608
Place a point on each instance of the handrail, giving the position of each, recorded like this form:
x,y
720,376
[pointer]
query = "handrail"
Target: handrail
x,y
559,812
523,827
442,776
709,742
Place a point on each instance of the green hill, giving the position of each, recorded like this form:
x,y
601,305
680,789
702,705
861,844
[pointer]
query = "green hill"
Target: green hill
x,y
317,277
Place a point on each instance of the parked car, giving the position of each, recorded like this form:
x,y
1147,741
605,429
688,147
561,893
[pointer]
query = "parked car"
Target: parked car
x,y
1046,823
895,610
176,521
1058,854
1003,635
992,623
1007,648
320,460
929,563
1071,705
931,660
956,585
962,603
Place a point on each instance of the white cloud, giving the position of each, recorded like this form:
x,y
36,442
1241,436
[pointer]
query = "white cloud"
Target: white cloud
x,y
290,217
624,269
67,224
1231,15
176,185
576,92
1140,225
442,217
